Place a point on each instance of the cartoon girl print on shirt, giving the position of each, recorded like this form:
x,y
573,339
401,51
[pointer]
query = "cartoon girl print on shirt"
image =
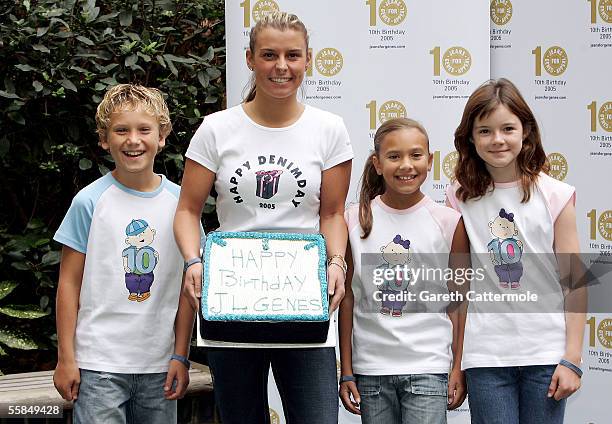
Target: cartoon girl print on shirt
x,y
506,250
396,254
139,260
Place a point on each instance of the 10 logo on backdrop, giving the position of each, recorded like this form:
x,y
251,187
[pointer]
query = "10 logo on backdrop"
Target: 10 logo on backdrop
x,y
446,167
501,13
456,61
328,62
603,117
601,13
604,7
558,166
391,13
260,8
603,224
601,333
555,62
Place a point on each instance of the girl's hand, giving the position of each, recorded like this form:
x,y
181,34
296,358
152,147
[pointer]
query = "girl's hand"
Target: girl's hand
x,y
335,286
178,372
67,379
193,285
349,395
564,382
456,388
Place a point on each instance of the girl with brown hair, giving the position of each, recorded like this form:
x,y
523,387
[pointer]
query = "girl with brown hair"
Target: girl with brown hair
x,y
520,367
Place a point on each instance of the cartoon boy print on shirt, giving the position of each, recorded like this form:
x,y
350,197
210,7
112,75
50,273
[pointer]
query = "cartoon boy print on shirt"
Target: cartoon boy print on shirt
x,y
506,250
139,259
396,254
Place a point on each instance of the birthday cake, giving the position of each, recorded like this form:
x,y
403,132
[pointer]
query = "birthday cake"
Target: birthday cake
x,y
264,288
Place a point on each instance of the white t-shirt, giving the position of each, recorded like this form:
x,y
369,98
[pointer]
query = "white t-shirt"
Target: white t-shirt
x,y
130,250
392,336
269,179
500,227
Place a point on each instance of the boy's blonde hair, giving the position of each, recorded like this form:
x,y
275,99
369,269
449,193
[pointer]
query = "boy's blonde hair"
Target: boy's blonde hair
x,y
130,97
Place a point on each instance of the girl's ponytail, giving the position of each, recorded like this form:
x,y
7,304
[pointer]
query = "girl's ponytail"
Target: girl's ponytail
x,y
372,185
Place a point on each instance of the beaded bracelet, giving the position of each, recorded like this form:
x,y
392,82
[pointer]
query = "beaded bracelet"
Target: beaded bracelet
x,y
342,263
338,265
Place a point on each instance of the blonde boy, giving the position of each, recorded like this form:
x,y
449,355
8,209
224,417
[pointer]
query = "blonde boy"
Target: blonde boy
x,y
123,328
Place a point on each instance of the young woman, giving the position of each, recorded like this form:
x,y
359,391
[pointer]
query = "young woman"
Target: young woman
x,y
309,151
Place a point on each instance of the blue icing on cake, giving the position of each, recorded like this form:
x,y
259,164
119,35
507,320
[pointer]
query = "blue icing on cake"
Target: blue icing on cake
x,y
216,240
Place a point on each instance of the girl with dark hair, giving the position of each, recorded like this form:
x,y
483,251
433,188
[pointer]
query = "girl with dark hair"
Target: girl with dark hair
x,y
519,367
395,350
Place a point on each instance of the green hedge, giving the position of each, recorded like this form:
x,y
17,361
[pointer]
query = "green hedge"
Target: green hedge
x,y
57,58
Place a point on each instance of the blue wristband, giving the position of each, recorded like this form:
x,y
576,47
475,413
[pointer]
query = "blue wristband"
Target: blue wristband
x,y
181,359
190,262
571,366
345,378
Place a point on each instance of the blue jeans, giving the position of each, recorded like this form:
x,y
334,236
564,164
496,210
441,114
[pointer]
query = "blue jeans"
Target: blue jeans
x,y
306,381
513,395
111,398
414,398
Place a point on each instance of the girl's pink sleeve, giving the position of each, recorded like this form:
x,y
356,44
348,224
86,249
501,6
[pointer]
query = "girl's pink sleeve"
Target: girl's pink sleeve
x,y
451,197
557,195
447,219
351,216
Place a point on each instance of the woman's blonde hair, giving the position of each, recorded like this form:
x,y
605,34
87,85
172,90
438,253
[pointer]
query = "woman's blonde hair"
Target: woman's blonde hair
x,y
130,97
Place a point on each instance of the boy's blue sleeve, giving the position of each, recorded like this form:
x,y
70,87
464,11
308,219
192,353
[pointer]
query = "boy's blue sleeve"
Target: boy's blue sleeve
x,y
74,229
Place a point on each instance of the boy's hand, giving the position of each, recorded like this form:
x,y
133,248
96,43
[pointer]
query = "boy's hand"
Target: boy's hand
x,y
564,382
456,388
67,379
193,285
335,287
177,372
349,395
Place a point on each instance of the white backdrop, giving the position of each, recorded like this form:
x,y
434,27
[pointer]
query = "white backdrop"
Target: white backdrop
x,y
377,59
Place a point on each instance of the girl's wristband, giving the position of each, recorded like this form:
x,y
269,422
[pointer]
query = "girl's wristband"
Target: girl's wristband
x,y
345,378
571,366
181,359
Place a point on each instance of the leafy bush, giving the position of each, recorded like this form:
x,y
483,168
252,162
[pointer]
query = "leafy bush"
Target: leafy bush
x,y
57,58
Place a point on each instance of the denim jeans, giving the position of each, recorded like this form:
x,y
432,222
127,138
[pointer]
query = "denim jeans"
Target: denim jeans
x,y
111,398
513,395
306,381
414,398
